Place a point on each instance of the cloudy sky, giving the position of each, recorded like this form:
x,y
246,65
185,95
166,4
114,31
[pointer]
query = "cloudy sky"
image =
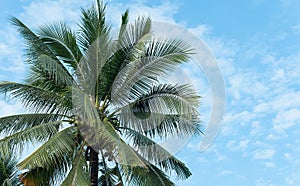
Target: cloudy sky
x,y
256,44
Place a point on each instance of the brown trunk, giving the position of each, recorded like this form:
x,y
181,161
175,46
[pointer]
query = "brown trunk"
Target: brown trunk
x,y
94,161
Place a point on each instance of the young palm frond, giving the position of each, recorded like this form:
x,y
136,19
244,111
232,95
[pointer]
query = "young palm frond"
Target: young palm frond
x,y
93,25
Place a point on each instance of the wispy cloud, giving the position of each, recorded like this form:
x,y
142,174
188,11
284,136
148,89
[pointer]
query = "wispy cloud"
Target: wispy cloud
x,y
287,119
263,154
10,108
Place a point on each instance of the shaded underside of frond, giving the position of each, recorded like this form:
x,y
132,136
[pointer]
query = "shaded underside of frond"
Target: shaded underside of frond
x,y
62,42
166,110
37,47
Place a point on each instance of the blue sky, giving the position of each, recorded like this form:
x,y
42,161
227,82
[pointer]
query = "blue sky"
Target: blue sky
x,y
256,43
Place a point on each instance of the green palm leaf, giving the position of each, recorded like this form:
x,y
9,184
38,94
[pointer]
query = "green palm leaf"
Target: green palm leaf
x,y
62,42
16,123
36,46
35,97
165,110
95,130
78,174
149,176
156,154
55,154
51,73
39,133
160,57
131,37
8,170
93,25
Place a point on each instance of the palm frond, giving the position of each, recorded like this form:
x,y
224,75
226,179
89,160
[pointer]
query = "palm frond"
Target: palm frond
x,y
110,176
54,156
135,34
160,57
51,73
8,170
15,123
93,25
140,176
125,19
37,176
153,177
36,46
131,38
166,110
78,174
39,133
156,154
102,134
94,59
62,42
36,98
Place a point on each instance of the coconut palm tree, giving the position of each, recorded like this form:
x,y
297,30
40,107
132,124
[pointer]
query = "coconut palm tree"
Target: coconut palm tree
x,y
96,105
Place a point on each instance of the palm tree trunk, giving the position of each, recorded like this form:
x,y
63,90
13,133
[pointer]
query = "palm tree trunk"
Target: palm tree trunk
x,y
94,160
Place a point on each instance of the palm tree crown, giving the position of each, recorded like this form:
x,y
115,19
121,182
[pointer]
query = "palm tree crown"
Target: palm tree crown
x,y
97,106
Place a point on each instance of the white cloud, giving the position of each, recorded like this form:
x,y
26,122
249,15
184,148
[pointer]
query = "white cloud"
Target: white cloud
x,y
164,12
263,182
282,102
269,164
276,136
293,178
237,146
296,28
11,60
221,48
41,12
233,121
201,30
263,154
201,160
226,172
287,119
256,128
7,108
279,75
248,85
